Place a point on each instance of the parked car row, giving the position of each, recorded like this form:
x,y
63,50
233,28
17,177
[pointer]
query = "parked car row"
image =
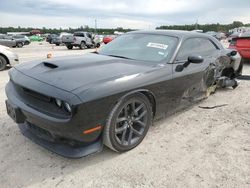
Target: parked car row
x,y
82,40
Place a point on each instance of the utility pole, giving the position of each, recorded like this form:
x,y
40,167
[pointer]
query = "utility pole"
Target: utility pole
x,y
196,25
95,25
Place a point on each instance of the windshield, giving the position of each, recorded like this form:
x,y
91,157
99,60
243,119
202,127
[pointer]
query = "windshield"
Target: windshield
x,y
144,47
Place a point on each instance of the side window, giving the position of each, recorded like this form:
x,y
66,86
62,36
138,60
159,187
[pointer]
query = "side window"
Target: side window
x,y
196,46
88,35
207,48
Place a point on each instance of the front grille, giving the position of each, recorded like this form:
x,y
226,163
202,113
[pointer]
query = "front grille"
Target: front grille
x,y
40,102
46,135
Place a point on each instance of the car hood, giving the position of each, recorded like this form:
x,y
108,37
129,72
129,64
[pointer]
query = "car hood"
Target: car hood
x,y
70,73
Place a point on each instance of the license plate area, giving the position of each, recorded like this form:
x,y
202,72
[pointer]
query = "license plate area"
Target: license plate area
x,y
14,112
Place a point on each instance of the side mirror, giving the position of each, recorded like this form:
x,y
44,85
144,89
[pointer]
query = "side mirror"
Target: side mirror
x,y
196,59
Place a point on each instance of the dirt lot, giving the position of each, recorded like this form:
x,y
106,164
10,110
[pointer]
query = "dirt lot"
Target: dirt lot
x,y
193,148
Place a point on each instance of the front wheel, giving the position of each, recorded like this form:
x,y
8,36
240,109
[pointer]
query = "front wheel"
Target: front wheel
x,y
128,123
69,47
97,45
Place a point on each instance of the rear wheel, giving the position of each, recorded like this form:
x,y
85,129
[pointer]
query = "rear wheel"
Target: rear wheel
x,y
19,44
128,123
82,45
3,63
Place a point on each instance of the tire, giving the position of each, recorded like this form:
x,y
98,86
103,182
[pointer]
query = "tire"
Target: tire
x,y
131,128
57,44
19,44
97,45
82,45
69,47
3,63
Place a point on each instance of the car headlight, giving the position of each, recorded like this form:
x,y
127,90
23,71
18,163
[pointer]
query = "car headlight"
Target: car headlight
x,y
58,103
67,107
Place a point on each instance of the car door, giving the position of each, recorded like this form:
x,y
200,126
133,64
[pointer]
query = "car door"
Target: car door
x,y
192,82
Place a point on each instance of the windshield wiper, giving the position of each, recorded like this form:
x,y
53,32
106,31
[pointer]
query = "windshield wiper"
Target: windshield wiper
x,y
119,56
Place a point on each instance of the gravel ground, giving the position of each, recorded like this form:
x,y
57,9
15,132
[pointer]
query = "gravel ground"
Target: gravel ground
x,y
192,148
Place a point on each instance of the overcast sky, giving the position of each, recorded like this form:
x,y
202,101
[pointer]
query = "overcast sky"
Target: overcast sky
x,y
135,14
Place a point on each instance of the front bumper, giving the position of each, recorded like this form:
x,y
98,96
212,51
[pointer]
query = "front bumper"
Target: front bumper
x,y
12,57
60,148
60,135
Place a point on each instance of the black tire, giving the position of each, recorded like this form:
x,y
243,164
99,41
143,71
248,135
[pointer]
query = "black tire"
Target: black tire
x,y
97,45
125,133
3,63
82,45
69,47
19,44
57,44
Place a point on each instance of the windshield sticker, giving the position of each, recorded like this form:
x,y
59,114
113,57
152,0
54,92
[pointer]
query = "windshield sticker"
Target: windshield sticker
x,y
161,53
157,45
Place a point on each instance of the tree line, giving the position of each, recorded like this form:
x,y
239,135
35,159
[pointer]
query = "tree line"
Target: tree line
x,y
206,27
44,30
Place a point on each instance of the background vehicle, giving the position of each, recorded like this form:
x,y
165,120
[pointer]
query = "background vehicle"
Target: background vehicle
x,y
81,39
51,37
217,35
21,38
233,35
108,38
36,38
71,105
242,45
10,42
57,41
7,57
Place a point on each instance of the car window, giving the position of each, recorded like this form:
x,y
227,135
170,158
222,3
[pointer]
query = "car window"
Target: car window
x,y
88,35
79,34
196,46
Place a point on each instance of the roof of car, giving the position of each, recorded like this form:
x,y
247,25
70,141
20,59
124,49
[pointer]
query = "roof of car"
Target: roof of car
x,y
177,33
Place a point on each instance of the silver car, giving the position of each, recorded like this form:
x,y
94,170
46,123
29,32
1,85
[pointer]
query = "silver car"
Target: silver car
x,y
7,57
9,41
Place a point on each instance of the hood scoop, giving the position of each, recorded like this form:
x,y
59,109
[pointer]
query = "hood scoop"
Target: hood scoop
x,y
50,65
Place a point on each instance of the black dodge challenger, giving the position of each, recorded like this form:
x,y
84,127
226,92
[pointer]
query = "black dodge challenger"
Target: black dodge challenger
x,y
74,105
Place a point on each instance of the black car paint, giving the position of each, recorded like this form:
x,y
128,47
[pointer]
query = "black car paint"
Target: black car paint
x,y
93,92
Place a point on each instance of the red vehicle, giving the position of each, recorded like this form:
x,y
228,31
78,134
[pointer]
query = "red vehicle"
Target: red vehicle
x,y
242,45
108,38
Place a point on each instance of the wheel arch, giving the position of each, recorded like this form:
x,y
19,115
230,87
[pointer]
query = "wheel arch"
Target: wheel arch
x,y
228,72
5,57
147,93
